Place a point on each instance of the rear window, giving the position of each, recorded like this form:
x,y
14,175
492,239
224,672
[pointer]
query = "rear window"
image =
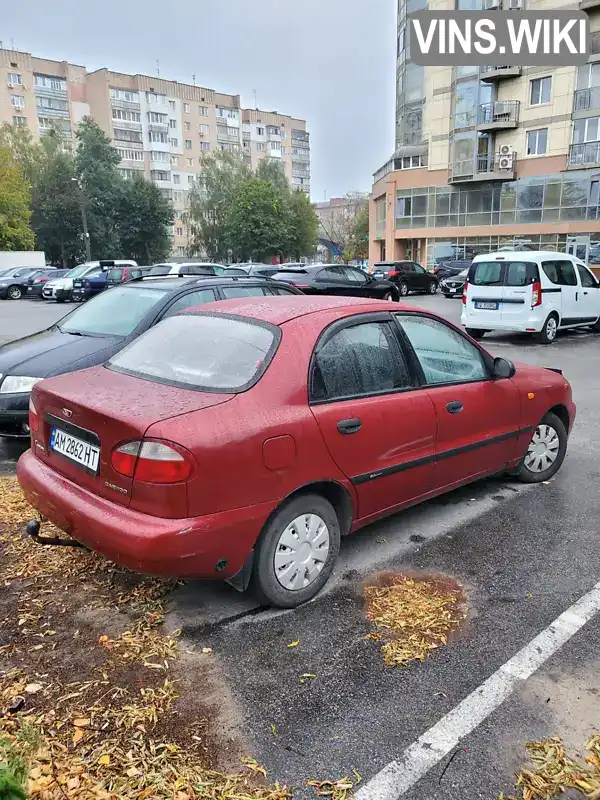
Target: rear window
x,y
205,352
114,274
503,273
160,271
296,275
114,313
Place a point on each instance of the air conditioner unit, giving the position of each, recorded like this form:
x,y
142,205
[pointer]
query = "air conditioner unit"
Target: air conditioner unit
x,y
515,5
505,162
506,150
490,5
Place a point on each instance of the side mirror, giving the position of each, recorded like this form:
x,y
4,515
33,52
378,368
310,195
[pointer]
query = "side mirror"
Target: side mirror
x,y
503,368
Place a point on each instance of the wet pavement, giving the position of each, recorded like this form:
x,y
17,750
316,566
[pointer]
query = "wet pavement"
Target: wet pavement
x,y
524,554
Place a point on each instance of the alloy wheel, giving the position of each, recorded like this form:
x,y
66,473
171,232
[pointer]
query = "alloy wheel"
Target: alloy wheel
x,y
14,293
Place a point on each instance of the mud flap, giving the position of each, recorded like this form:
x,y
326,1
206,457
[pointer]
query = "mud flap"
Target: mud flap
x,y
241,579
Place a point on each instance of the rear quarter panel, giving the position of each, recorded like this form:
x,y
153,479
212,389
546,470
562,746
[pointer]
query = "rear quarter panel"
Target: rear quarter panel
x,y
540,390
228,440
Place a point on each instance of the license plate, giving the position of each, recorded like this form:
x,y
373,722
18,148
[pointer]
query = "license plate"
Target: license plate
x,y
83,453
454,289
30,288
487,306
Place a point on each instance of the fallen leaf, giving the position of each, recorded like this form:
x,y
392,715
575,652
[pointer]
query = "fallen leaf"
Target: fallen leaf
x,y
81,722
273,730
207,650
32,688
104,760
294,644
78,736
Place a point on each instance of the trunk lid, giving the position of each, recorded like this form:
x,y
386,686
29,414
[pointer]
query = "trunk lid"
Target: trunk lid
x,y
104,409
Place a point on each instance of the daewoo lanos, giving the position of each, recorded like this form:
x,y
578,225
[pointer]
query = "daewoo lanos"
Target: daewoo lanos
x,y
241,440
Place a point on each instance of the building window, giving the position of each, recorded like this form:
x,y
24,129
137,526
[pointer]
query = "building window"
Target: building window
x,y
246,145
128,174
260,146
188,144
176,179
586,130
178,231
174,142
203,111
119,94
172,105
131,155
186,108
229,113
260,131
159,155
275,145
49,102
537,142
540,91
50,82
204,129
156,99
14,79
20,121
17,101
177,197
283,150
282,133
128,136
273,130
172,124
190,162
160,175
230,146
174,161
126,116
205,146
190,180
187,126
154,116
157,136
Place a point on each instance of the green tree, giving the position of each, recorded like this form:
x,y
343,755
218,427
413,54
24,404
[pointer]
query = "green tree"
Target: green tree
x,y
144,218
26,152
56,217
271,170
15,198
361,234
302,225
102,188
211,200
257,221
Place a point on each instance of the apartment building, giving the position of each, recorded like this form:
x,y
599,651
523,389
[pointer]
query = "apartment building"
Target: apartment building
x,y
160,128
490,157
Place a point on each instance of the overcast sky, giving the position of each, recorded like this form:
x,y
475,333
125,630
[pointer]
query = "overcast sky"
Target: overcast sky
x,y
331,62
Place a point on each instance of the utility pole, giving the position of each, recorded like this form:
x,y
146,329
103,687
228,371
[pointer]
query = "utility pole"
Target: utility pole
x,y
86,234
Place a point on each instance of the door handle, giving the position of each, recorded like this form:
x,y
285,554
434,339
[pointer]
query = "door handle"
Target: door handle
x,y
454,407
349,425
585,292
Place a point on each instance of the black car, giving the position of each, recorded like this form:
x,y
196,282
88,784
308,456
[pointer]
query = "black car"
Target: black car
x,y
447,268
339,280
35,283
454,284
94,332
408,276
13,282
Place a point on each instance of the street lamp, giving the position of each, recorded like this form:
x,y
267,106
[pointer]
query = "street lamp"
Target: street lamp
x,y
86,234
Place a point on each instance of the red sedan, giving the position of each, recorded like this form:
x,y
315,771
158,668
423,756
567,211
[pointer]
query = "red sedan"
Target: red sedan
x,y
241,440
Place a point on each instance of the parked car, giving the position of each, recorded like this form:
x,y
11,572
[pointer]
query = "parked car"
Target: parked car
x,y
92,333
191,268
454,284
89,285
229,272
408,276
538,292
61,289
117,275
36,282
146,459
261,270
339,280
446,269
13,282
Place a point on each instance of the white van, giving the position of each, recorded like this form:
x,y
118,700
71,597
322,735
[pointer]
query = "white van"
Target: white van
x,y
535,292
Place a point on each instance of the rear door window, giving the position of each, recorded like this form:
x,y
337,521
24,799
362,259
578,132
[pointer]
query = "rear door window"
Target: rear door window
x,y
233,292
520,273
190,300
201,351
562,272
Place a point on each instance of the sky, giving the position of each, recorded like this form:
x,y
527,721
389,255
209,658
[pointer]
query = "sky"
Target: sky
x,y
331,62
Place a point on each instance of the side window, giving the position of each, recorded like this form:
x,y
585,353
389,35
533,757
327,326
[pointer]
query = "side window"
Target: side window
x,y
329,274
445,356
587,279
561,272
359,360
354,275
280,290
189,301
184,271
233,292
418,269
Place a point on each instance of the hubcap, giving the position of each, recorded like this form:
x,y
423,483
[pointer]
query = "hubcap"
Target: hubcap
x,y
403,289
15,293
301,552
551,327
389,296
543,449
432,288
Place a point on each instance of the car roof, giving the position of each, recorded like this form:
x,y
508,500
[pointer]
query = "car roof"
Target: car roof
x,y
173,282
523,255
278,310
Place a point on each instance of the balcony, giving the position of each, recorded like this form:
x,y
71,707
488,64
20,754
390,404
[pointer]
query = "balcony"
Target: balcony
x,y
52,112
491,74
586,100
501,115
501,167
228,138
158,127
585,154
126,125
49,91
127,105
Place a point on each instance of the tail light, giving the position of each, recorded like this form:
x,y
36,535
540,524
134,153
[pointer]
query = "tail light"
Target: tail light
x,y
41,280
153,461
34,420
536,294
436,270
464,293
392,273
301,285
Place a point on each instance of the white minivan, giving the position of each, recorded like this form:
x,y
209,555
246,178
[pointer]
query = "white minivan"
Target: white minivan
x,y
534,292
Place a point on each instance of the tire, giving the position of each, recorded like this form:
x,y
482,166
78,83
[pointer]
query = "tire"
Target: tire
x,y
595,328
403,289
549,330
391,296
476,333
267,586
552,430
432,288
14,293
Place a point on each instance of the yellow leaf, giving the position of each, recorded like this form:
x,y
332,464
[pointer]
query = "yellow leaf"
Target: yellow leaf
x,y
32,688
207,650
78,736
294,644
104,760
81,723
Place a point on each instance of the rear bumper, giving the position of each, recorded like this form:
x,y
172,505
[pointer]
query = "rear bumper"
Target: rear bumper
x,y
492,321
34,291
182,548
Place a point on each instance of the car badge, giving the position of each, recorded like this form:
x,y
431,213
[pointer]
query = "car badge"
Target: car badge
x,y
67,413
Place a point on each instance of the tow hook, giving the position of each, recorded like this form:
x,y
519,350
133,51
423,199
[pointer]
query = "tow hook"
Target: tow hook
x,y
33,529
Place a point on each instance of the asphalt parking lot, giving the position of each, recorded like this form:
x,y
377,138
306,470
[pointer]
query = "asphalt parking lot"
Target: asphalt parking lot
x,y
524,555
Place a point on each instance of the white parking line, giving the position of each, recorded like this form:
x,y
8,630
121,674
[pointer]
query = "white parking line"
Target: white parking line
x,y
399,776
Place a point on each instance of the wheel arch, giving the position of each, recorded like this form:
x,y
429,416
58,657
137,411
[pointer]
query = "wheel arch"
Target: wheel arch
x,y
562,413
335,493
